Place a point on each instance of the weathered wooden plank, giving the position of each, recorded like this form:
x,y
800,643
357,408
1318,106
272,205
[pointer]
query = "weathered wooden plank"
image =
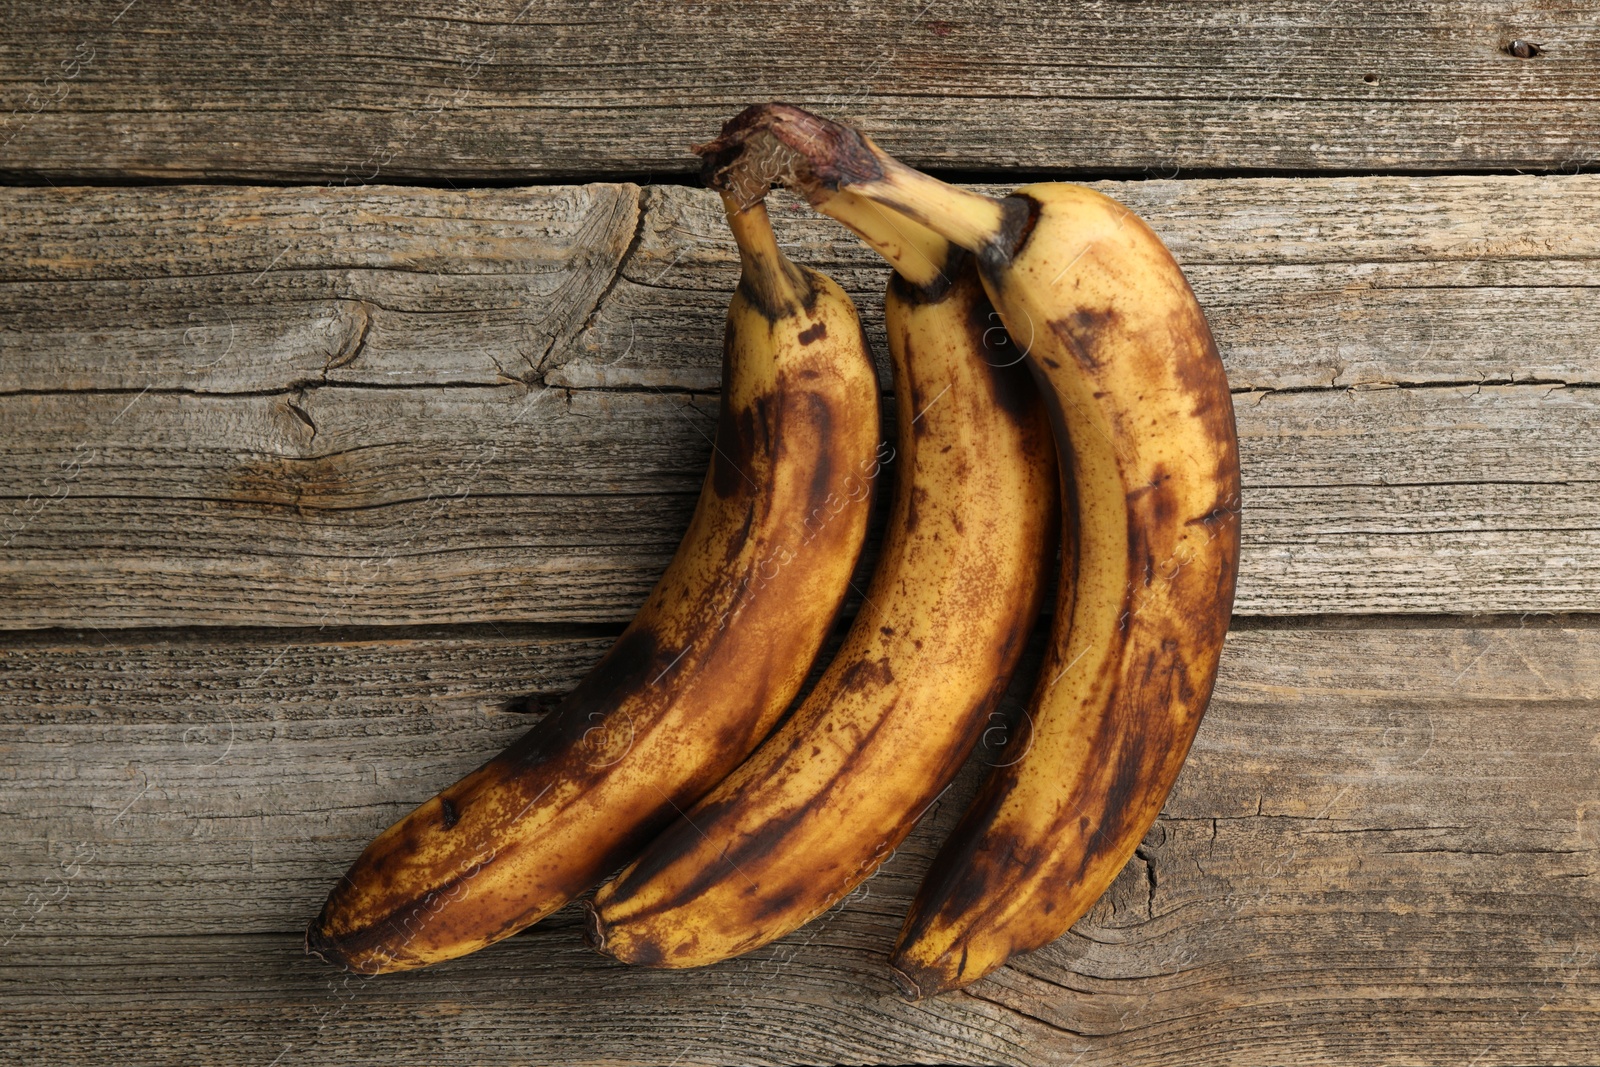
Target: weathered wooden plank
x,y
1328,282
255,290
355,505
251,1000
1382,849
545,999
307,406
508,89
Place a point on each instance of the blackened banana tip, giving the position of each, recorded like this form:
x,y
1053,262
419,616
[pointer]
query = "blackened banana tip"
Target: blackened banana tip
x,y
594,934
320,945
905,984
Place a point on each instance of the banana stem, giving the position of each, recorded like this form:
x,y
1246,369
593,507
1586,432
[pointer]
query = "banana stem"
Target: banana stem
x,y
775,283
915,252
971,220
822,160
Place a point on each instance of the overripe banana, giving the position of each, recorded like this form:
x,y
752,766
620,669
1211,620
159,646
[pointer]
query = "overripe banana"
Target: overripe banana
x,y
825,800
713,658
1144,424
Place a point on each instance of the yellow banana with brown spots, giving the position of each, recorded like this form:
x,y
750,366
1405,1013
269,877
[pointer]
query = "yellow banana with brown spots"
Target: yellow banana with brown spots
x,y
1145,430
824,801
701,675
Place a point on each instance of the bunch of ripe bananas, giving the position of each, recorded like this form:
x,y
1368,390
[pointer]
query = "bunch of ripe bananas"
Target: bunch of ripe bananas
x,y
1100,413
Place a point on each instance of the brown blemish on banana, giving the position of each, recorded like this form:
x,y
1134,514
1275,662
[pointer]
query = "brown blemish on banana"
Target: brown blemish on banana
x,y
1011,384
1205,380
815,332
1153,510
917,497
1018,214
734,442
1082,332
867,673
740,537
686,838
825,503
678,841
628,665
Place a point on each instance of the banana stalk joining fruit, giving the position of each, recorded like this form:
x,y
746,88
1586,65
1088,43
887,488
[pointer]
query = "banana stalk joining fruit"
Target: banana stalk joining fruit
x,y
1144,427
698,678
829,797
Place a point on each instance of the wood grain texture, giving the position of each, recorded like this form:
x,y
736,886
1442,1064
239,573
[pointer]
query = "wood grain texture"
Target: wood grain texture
x,y
240,427
315,407
1382,849
504,89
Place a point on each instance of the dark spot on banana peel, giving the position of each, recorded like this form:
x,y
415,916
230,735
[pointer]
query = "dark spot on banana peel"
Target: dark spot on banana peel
x,y
919,405
815,332
820,496
1018,215
736,736
1142,731
810,284
630,665
771,307
646,954
966,872
864,673
1119,806
320,945
683,837
778,904
1009,379
448,815
736,445
756,299
1084,331
1224,512
1151,507
736,542
914,501
370,949
1200,372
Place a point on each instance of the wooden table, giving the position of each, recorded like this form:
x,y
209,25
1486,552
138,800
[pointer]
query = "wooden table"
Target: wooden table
x,y
357,371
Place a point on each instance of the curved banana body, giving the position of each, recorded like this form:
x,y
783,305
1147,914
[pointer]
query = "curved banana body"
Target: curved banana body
x,y
701,675
824,801
1144,424
1142,407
